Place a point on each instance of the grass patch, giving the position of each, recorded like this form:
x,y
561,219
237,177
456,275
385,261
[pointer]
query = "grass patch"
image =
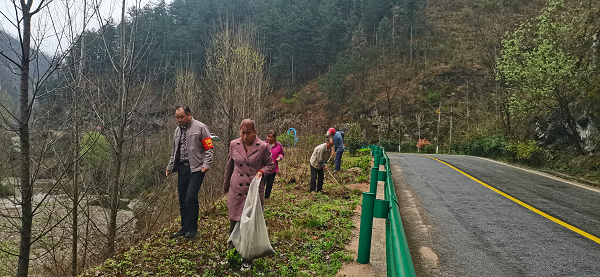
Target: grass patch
x,y
309,235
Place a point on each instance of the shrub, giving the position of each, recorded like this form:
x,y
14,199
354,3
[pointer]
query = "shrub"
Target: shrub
x,y
6,191
354,139
409,146
363,162
526,152
287,139
485,146
364,152
95,149
390,145
429,149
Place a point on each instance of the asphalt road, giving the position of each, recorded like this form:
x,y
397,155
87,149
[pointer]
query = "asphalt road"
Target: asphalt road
x,y
459,227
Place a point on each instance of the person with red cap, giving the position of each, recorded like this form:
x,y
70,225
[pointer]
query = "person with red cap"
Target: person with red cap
x,y
338,147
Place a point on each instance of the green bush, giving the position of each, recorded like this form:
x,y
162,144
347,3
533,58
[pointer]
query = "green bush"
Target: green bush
x,y
484,146
526,152
6,191
409,147
95,149
310,141
390,145
429,149
286,139
364,152
364,162
354,139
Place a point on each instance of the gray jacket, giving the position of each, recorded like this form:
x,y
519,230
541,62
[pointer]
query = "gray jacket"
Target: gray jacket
x,y
199,146
320,156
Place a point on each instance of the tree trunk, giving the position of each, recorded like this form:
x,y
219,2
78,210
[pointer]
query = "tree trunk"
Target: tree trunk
x,y
450,145
411,44
572,132
389,130
75,210
114,200
113,193
26,186
437,137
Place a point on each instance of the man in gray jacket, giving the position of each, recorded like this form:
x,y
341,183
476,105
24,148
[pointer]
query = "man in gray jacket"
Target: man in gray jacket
x,y
318,162
191,156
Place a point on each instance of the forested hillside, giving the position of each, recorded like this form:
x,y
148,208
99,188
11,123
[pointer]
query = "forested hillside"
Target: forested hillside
x,y
389,66
9,79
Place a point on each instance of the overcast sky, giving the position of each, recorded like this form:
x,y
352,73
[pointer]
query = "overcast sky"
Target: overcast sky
x,y
50,27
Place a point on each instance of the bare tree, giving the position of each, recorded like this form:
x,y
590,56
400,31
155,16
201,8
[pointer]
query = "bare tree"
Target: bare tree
x,y
419,119
126,109
236,79
32,86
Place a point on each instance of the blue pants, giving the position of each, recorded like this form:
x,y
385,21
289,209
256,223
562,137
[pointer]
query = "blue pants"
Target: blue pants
x,y
338,159
188,185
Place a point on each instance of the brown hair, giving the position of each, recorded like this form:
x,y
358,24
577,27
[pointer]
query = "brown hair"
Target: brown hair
x,y
248,121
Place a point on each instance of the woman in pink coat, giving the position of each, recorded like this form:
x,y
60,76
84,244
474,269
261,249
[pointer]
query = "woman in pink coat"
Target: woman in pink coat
x,y
276,155
249,157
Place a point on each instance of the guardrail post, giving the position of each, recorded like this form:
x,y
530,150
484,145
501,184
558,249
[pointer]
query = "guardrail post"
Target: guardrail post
x,y
374,176
366,228
382,176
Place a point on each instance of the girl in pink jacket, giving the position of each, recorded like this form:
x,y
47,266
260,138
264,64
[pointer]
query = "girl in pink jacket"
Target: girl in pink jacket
x,y
276,155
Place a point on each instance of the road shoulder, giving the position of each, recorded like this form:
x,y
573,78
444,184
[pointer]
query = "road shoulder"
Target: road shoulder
x,y
418,230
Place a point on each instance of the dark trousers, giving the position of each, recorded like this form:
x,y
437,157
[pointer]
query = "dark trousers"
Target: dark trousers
x,y
188,185
316,179
270,179
338,159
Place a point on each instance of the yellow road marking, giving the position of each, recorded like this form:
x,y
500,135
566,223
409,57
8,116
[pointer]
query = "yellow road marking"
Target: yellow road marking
x,y
570,227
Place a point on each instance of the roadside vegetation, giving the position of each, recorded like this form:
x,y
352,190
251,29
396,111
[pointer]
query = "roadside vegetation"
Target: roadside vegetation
x,y
308,233
549,158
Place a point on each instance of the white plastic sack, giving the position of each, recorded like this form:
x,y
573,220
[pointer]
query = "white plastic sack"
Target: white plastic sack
x,y
250,236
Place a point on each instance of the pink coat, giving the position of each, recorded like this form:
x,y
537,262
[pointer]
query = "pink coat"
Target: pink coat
x,y
276,152
241,169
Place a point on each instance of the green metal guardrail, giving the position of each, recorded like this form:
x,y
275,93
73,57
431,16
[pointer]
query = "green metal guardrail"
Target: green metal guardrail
x,y
398,259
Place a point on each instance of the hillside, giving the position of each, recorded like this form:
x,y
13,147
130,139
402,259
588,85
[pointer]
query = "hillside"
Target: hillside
x,y
9,78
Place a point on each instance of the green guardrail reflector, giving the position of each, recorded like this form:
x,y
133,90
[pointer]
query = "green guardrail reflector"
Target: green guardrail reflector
x,y
381,209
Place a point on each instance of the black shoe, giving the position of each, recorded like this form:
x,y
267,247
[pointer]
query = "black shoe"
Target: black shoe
x,y
179,233
191,234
